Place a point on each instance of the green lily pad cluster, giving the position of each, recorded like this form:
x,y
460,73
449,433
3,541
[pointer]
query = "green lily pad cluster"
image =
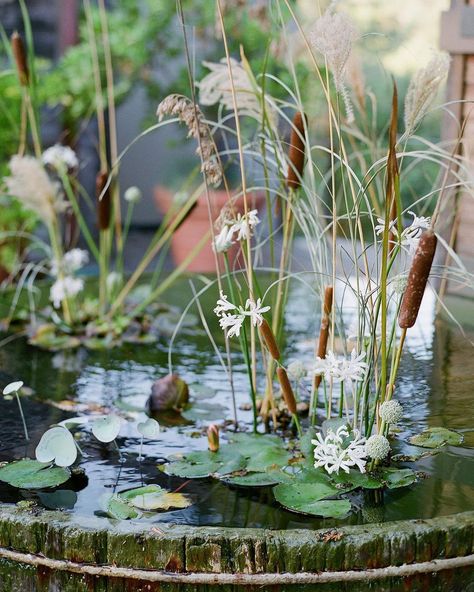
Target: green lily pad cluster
x,y
251,460
150,498
436,437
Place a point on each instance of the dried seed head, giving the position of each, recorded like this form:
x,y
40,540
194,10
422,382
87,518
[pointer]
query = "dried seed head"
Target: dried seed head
x,y
328,296
297,152
286,390
103,204
270,340
417,279
18,50
213,438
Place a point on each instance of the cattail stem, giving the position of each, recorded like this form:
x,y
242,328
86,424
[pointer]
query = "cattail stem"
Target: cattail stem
x,y
19,55
296,154
322,343
288,395
270,340
417,279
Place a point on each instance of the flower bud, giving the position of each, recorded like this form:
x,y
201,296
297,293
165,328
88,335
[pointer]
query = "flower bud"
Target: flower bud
x,y
213,438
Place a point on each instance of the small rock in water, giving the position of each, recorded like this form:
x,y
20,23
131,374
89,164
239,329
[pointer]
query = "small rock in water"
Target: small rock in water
x,y
169,392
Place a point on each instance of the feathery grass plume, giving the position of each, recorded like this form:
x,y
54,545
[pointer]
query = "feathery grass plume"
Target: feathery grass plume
x,y
296,153
19,54
324,329
191,115
417,279
31,185
269,339
286,390
213,438
103,204
423,88
332,35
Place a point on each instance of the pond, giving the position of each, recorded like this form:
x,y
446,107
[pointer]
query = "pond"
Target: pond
x,y
435,385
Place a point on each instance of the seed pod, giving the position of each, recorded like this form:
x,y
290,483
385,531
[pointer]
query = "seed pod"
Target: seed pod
x,y
286,390
213,438
417,278
103,205
18,50
296,153
324,329
270,340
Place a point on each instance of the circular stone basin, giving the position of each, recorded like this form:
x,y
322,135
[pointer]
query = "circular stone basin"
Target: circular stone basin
x,y
420,537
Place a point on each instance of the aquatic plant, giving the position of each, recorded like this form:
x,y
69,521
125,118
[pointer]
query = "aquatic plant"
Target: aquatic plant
x,y
14,388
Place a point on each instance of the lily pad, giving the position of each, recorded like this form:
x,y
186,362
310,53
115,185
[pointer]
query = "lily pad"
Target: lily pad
x,y
149,429
154,497
205,411
57,445
437,437
394,478
357,479
31,474
120,509
309,498
272,477
204,463
267,458
62,499
106,428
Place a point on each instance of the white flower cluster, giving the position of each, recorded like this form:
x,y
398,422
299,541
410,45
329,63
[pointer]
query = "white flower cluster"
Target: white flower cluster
x,y
60,157
391,412
192,116
132,195
67,286
31,185
297,370
411,234
340,450
240,228
377,447
341,370
232,317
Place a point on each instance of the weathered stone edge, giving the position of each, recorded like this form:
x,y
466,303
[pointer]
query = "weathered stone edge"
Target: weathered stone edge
x,y
236,550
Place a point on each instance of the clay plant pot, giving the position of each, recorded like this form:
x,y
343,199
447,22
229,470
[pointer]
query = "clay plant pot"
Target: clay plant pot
x,y
191,231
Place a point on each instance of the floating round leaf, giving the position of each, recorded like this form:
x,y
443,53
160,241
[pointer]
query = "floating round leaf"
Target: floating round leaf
x,y
437,437
57,445
106,428
154,497
31,474
120,509
308,498
149,429
13,387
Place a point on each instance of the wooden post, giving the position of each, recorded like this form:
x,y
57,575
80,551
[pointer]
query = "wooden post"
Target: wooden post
x,y
457,37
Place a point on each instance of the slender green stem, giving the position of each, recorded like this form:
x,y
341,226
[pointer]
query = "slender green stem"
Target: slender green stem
x,y
25,429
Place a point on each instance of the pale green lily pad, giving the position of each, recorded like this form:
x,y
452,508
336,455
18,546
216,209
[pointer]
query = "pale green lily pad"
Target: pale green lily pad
x,y
357,479
149,429
267,458
204,463
57,445
437,437
272,477
120,509
31,474
394,478
106,428
309,498
154,497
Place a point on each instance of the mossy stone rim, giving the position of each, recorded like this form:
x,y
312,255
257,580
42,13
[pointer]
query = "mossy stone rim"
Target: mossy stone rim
x,y
215,550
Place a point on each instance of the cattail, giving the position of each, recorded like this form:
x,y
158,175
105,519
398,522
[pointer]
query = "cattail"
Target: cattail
x,y
296,153
286,390
18,50
103,204
213,438
324,329
417,278
270,340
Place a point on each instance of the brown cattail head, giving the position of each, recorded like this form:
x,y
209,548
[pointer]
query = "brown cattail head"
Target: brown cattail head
x,y
103,204
213,438
296,153
18,50
324,329
417,279
270,340
286,390
328,296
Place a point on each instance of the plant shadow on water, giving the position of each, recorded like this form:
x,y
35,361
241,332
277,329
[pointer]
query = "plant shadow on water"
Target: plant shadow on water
x,y
435,387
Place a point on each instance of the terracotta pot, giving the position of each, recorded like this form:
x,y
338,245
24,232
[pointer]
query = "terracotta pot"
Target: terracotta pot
x,y
188,235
